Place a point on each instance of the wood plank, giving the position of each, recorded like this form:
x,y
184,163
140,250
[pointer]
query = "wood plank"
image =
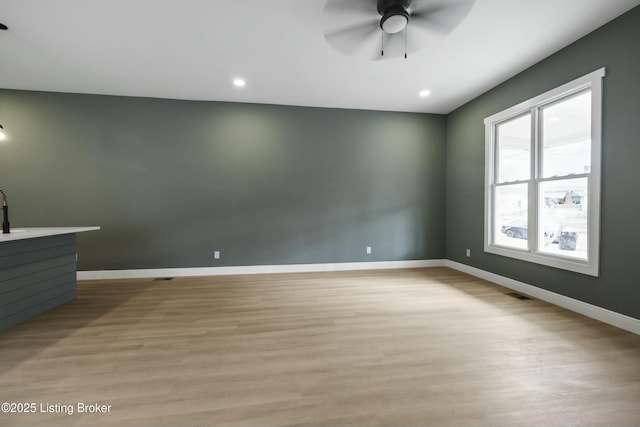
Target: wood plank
x,y
24,298
403,347
45,303
25,276
35,275
36,244
28,258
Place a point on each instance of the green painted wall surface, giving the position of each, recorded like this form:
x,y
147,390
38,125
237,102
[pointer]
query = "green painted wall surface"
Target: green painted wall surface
x,y
171,181
614,46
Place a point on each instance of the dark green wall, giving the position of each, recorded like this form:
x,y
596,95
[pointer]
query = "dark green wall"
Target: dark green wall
x,y
170,181
614,46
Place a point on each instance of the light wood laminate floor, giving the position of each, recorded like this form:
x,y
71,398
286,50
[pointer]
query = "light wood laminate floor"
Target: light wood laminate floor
x,y
375,348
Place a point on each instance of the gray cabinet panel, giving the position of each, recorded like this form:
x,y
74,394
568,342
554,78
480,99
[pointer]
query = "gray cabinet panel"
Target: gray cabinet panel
x,y
36,275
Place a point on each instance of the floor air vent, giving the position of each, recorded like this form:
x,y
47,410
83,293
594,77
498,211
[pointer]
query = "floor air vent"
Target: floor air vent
x,y
517,295
162,279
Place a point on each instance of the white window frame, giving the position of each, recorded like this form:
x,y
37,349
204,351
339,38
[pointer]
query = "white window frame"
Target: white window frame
x,y
589,266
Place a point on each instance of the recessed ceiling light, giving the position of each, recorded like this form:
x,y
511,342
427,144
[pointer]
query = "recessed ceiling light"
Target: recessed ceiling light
x,y
424,93
239,82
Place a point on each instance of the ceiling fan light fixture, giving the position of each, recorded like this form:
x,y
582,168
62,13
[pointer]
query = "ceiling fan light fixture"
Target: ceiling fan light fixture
x,y
394,19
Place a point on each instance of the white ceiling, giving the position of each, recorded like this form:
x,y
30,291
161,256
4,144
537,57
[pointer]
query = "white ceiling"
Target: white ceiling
x,y
192,49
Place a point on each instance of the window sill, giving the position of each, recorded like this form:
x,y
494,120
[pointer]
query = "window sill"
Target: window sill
x,y
564,263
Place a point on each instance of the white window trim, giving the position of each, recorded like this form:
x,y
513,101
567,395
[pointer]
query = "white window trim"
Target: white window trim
x,y
590,266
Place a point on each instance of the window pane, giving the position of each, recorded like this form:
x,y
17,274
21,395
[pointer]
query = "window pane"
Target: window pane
x,y
514,148
511,216
566,136
563,217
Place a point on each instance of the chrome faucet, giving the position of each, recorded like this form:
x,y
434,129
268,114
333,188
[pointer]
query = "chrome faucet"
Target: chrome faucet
x,y
5,213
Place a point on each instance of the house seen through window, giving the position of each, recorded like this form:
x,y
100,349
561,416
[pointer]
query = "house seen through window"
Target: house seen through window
x,y
542,190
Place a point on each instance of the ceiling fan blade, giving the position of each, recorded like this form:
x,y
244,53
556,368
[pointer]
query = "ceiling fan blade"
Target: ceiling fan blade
x,y
351,6
417,40
349,39
440,16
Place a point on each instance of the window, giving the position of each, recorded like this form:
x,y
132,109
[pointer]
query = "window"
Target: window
x,y
542,189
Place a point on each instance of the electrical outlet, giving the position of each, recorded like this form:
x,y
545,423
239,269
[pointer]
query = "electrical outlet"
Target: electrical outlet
x,y
368,250
216,254
469,253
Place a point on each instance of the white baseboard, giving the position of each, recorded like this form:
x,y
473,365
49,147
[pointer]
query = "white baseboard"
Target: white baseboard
x,y
602,314
254,269
607,316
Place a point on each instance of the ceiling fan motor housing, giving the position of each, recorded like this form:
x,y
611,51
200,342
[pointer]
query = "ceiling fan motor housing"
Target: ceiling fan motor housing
x,y
395,16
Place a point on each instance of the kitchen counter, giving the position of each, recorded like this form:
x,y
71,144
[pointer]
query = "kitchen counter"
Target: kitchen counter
x,y
37,271
32,233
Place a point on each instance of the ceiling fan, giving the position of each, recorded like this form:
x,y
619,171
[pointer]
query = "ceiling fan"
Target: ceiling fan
x,y
377,29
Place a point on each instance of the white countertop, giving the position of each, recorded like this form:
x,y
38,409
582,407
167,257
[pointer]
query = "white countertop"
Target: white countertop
x,y
32,233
